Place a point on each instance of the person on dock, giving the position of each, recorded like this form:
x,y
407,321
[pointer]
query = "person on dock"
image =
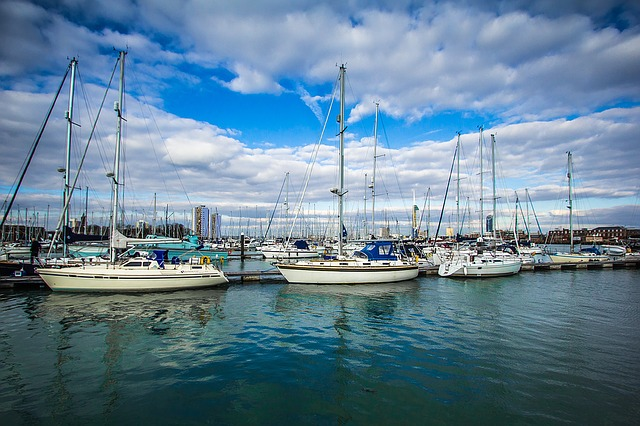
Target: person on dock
x,y
35,249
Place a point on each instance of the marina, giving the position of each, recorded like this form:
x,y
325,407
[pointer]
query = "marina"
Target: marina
x,y
431,256
553,347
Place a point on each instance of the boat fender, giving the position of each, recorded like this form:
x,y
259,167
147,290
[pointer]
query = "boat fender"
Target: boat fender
x,y
229,252
204,260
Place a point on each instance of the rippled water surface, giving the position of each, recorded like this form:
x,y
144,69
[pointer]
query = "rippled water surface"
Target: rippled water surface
x,y
539,348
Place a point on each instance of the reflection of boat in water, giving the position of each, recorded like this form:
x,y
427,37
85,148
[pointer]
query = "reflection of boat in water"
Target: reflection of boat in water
x,y
336,303
108,334
355,290
163,309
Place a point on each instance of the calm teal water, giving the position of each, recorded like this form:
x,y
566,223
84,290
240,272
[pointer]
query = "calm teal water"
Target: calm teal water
x,y
538,348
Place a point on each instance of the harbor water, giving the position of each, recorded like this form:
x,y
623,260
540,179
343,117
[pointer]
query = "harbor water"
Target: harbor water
x,y
556,347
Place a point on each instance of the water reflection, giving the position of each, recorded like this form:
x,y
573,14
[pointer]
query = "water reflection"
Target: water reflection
x,y
155,310
106,332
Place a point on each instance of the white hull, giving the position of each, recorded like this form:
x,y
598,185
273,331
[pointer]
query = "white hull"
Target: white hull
x,y
347,272
117,279
288,254
576,258
614,250
479,269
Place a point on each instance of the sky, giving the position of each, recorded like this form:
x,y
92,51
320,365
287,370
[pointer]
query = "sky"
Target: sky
x,y
232,105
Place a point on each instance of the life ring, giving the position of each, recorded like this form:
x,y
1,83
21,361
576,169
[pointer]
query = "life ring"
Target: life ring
x,y
204,260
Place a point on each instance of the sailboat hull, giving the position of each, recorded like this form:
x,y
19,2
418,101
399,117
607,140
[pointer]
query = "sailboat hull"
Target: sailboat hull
x,y
114,279
576,258
288,253
347,272
497,268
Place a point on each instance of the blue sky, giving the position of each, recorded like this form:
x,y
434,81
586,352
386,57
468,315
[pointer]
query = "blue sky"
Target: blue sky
x,y
224,98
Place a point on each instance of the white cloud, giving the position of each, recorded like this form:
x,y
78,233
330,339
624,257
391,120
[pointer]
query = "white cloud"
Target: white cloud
x,y
251,81
548,77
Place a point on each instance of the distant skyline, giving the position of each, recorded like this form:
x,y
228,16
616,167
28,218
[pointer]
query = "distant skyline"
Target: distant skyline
x,y
224,98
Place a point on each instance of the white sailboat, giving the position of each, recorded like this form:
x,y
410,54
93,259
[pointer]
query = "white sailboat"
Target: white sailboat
x,y
298,250
572,256
138,273
479,266
377,262
481,263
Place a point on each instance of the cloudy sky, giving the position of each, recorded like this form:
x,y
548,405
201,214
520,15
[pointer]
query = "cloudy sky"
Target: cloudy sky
x,y
223,98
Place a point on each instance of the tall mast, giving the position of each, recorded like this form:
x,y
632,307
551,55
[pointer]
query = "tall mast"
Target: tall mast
x,y
115,175
428,211
570,206
526,193
86,210
458,186
341,161
366,229
67,162
373,177
481,188
155,210
414,217
493,178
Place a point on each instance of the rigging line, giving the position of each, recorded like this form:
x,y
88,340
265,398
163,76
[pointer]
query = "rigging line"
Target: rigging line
x,y
424,206
273,212
446,192
163,139
90,115
395,170
314,156
153,148
84,155
33,148
534,213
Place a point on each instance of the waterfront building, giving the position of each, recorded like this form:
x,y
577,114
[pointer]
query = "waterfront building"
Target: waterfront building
x,y
200,222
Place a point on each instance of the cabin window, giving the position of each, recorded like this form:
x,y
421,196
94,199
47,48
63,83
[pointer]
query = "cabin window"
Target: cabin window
x,y
385,249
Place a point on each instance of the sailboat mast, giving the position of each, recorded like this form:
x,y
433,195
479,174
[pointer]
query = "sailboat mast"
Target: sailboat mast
x,y
570,206
526,192
341,161
155,210
115,175
481,188
364,214
458,186
67,162
373,177
493,178
428,211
